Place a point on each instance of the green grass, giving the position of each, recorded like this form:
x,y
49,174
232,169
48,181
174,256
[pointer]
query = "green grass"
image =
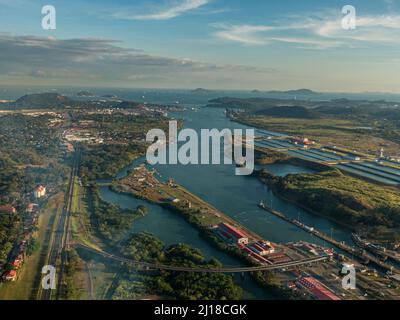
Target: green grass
x,y
340,132
29,275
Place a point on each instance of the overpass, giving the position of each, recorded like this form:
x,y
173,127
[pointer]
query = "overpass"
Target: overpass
x,y
155,266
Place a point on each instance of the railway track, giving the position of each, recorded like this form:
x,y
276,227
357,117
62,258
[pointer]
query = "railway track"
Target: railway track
x,y
60,240
140,265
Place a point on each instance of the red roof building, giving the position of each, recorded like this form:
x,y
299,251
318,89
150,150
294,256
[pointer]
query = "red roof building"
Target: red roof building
x,y
239,236
32,207
232,230
7,209
16,263
316,288
10,275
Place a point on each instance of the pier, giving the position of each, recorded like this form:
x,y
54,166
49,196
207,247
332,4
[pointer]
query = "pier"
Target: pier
x,y
360,254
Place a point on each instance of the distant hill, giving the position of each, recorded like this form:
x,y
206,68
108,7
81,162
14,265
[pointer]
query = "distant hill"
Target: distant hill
x,y
288,92
43,100
85,94
201,90
298,112
298,92
269,107
252,103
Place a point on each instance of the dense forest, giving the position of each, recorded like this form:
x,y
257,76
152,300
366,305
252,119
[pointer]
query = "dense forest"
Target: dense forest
x,y
28,139
29,155
104,161
189,286
109,220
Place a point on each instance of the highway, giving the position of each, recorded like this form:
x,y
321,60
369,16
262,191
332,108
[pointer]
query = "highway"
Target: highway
x,y
60,240
140,265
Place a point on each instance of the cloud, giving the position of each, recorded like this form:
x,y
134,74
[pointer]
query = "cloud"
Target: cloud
x,y
169,13
319,32
369,29
100,61
245,34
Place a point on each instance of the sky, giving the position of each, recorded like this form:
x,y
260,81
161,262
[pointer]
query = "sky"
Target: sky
x,y
213,44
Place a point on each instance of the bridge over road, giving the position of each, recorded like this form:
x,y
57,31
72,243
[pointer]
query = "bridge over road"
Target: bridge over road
x,y
152,266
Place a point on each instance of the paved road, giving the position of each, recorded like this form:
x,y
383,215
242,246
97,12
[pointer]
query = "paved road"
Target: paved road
x,y
152,266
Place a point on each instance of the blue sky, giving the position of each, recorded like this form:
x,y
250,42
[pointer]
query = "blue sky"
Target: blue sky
x,y
216,44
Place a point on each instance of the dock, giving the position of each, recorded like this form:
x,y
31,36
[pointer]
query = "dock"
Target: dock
x,y
360,254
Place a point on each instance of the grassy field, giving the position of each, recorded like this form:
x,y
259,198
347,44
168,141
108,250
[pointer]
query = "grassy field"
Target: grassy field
x,y
29,278
80,215
343,133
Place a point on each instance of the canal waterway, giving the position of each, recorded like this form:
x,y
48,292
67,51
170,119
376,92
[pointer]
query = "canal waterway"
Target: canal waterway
x,y
236,196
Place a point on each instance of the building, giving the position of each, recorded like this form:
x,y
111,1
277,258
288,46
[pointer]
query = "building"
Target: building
x,y
7,209
262,248
316,289
10,275
256,256
16,263
234,234
39,192
32,207
303,141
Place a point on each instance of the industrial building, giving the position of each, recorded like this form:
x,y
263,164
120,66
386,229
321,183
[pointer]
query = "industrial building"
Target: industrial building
x,y
316,289
232,234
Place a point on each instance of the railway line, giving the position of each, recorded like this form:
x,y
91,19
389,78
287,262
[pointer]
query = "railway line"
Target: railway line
x,y
60,240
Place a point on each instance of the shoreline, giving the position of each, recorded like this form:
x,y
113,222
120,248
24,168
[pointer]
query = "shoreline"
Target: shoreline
x,y
294,202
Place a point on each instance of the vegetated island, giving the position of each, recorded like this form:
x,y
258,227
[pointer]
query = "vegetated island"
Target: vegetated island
x,y
201,90
142,184
186,285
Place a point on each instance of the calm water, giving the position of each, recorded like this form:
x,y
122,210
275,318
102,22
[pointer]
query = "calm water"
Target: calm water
x,y
237,196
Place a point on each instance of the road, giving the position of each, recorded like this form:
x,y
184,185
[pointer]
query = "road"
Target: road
x,y
153,266
60,240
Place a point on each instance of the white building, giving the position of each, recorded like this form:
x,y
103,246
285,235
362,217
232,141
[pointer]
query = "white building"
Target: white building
x,y
40,191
